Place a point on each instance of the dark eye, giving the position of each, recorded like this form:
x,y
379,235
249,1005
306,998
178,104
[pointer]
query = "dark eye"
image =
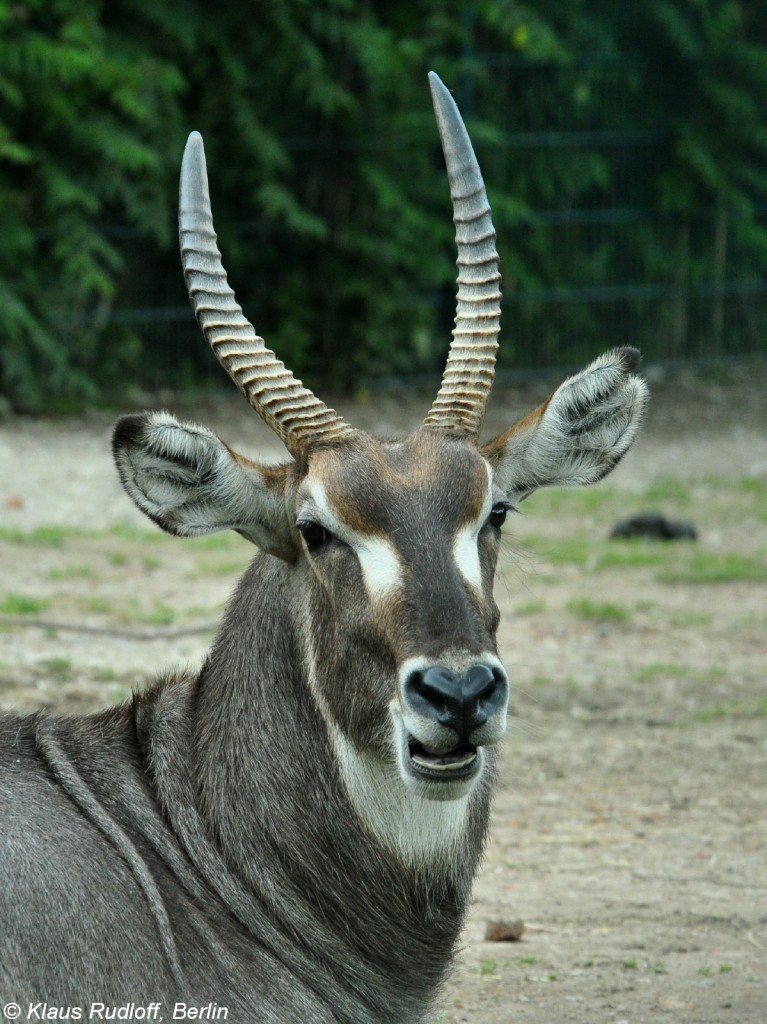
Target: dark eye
x,y
497,515
314,534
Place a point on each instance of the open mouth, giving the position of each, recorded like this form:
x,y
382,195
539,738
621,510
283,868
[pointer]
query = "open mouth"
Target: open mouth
x,y
441,765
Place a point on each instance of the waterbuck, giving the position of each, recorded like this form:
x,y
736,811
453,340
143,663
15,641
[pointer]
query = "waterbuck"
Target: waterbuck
x,y
292,834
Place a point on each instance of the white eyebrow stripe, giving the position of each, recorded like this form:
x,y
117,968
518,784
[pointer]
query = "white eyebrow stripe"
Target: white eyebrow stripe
x,y
466,555
465,546
381,567
378,558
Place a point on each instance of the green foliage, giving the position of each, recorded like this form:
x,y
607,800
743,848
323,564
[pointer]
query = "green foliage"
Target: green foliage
x,y
329,191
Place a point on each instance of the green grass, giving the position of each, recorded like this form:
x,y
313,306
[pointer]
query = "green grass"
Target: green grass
x,y
135,534
733,709
530,608
690,619
575,501
669,489
59,667
716,567
602,611
661,670
41,537
488,967
72,572
22,604
95,605
633,553
567,551
160,615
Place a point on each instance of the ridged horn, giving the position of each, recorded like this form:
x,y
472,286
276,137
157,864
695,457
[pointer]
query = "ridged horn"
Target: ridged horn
x,y
291,410
468,376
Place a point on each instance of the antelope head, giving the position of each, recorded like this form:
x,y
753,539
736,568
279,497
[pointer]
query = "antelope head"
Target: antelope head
x,y
388,548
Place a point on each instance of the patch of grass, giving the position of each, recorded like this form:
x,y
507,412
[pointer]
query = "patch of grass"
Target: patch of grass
x,y
632,553
527,961
531,608
660,669
222,567
567,551
136,534
488,967
118,558
668,488
754,491
160,615
150,563
218,542
602,611
22,604
541,680
716,567
59,667
72,572
41,536
631,963
96,605
733,709
690,619
590,500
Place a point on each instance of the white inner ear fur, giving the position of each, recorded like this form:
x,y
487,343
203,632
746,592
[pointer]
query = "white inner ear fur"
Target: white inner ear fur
x,y
589,424
187,480
378,558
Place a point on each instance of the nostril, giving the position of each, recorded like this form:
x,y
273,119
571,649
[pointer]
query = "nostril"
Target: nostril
x,y
461,702
484,693
436,690
479,682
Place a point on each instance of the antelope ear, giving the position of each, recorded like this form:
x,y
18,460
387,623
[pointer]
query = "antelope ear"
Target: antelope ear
x,y
580,432
188,482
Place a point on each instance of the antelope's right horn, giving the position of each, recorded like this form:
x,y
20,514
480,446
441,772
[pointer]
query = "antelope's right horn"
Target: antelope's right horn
x,y
468,377
300,419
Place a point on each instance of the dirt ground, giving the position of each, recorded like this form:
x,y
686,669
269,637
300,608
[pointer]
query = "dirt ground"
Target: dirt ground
x,y
629,830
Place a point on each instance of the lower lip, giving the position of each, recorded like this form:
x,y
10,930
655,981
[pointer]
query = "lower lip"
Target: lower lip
x,y
443,772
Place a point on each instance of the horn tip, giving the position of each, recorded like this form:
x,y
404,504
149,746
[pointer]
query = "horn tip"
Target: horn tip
x,y
194,145
436,84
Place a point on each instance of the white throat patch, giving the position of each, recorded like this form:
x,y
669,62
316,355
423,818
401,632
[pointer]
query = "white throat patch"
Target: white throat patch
x,y
418,831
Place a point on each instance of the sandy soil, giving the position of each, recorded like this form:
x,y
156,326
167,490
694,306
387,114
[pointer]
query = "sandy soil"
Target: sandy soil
x,y
630,827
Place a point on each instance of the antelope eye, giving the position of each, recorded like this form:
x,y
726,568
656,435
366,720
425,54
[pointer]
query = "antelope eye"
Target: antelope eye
x,y
497,515
314,534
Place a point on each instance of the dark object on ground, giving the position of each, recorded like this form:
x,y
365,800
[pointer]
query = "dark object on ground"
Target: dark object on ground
x,y
504,931
654,526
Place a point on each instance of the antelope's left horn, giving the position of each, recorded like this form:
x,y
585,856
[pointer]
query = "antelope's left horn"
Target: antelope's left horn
x,y
468,377
300,419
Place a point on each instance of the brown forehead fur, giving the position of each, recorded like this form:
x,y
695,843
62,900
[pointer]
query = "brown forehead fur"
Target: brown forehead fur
x,y
376,486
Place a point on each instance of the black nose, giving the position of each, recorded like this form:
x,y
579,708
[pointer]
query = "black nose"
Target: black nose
x,y
462,703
